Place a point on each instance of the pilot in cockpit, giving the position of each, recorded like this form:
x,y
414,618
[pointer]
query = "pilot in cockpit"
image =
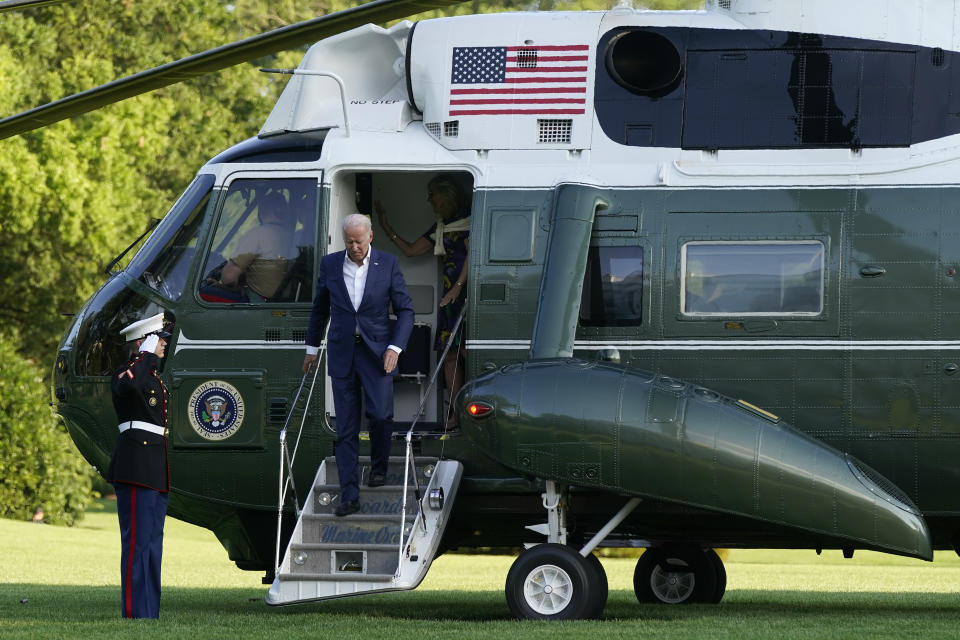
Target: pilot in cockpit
x,y
259,264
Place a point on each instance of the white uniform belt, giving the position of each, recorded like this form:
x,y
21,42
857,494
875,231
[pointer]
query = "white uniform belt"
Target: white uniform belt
x,y
145,426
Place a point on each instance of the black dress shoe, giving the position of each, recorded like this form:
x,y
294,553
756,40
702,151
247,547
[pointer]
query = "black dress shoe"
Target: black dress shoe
x,y
377,480
346,508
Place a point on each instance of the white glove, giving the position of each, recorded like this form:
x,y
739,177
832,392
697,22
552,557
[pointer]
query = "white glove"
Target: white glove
x,y
150,344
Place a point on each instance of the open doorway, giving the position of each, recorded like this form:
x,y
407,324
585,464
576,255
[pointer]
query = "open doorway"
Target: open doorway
x,y
407,229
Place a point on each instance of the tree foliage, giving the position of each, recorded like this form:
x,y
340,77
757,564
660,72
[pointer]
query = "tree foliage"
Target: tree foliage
x,y
74,194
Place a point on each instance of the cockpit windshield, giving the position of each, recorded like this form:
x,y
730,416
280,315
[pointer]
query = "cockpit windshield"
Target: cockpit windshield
x,y
164,260
263,247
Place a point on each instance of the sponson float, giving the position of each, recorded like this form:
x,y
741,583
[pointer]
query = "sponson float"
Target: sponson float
x,y
597,426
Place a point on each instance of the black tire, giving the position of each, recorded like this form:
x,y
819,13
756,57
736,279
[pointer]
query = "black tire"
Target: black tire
x,y
674,575
721,572
598,594
552,582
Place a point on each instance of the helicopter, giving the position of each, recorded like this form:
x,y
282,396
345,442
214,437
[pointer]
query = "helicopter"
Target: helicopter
x,y
710,296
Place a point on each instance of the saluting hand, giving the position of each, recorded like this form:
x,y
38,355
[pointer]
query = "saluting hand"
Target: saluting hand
x,y
154,344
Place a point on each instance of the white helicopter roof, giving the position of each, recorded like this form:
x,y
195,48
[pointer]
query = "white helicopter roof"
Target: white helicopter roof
x,y
448,73
375,63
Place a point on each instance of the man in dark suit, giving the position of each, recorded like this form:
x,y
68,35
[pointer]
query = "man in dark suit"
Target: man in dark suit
x,y
138,469
355,288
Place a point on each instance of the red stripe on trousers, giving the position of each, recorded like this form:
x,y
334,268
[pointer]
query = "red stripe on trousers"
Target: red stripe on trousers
x,y
128,596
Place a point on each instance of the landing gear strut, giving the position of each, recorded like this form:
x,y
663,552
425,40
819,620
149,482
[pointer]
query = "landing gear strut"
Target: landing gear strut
x,y
554,581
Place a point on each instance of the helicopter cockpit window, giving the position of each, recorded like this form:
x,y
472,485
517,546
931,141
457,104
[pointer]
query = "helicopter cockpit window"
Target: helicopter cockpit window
x,y
164,261
613,287
263,249
753,278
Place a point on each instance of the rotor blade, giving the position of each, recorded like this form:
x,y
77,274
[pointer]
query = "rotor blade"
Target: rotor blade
x,y
10,5
294,35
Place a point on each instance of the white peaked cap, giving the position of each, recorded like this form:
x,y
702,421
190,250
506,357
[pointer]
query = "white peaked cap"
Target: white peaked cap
x,y
142,328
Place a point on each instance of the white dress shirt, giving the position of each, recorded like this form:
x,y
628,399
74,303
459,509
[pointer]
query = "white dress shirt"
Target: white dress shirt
x,y
355,278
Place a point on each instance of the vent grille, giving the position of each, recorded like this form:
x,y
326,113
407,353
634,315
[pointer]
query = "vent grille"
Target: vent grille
x,y
527,58
273,335
937,57
724,4
434,129
451,128
277,411
881,486
554,131
299,335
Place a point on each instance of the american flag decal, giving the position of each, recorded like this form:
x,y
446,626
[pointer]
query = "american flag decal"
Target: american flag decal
x,y
495,81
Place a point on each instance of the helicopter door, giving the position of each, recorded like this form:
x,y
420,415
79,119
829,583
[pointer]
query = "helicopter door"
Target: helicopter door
x,y
237,359
404,198
751,292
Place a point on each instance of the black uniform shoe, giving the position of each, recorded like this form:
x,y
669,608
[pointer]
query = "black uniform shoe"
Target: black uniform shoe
x,y
377,480
346,508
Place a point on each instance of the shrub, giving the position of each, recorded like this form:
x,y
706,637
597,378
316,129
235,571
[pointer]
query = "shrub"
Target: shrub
x,y
39,466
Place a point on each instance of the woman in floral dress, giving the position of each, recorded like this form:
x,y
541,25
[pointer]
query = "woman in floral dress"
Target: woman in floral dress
x,y
448,239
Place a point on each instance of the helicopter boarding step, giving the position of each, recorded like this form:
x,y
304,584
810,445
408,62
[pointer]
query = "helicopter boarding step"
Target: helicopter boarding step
x,y
333,557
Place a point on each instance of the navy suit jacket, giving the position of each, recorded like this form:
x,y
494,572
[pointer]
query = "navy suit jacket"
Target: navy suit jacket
x,y
331,302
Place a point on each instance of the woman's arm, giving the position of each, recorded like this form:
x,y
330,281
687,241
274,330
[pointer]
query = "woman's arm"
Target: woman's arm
x,y
418,247
460,282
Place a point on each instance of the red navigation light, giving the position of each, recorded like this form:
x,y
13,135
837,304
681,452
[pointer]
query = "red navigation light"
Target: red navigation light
x,y
479,409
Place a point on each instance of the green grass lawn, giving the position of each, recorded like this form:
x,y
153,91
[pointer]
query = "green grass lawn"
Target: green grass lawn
x,y
64,583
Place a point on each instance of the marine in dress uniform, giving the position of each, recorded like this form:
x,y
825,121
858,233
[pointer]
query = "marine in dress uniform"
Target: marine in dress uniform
x,y
138,469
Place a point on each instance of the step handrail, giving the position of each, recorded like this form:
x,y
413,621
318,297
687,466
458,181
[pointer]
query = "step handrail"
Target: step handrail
x,y
285,456
408,455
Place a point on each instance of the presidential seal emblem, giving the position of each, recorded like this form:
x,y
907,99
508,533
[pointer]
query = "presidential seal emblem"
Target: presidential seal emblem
x,y
215,410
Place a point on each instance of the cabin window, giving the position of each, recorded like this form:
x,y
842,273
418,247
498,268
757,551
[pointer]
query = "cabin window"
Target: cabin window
x,y
263,248
752,278
612,287
164,261
511,235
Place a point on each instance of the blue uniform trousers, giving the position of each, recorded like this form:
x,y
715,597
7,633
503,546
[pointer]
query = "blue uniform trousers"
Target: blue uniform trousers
x,y
141,511
367,382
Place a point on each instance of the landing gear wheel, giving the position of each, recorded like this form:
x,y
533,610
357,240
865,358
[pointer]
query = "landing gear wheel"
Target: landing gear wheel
x,y
599,592
675,575
553,582
721,576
